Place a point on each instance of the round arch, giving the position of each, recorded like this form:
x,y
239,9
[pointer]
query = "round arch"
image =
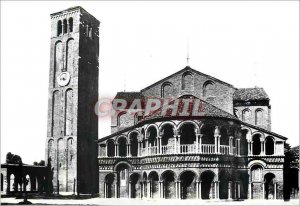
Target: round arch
x,y
160,127
188,122
149,126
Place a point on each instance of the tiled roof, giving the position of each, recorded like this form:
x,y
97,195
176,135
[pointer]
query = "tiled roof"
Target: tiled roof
x,y
295,151
205,110
245,94
187,68
129,95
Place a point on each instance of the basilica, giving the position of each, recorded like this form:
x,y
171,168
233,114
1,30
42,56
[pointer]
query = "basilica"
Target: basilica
x,y
207,140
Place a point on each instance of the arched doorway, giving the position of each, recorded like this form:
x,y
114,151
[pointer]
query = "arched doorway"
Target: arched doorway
x,y
207,179
257,179
224,177
256,150
169,184
188,185
109,185
134,185
122,180
270,186
269,146
154,184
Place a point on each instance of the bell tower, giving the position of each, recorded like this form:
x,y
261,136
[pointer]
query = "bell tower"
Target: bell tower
x,y
73,92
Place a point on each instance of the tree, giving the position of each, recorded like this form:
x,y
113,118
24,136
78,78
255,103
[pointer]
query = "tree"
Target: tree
x,y
41,163
13,159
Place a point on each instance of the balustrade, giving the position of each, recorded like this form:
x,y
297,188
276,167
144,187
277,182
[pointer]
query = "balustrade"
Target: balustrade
x,y
187,149
208,148
168,149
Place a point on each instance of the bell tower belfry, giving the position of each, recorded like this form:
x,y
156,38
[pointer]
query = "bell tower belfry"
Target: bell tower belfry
x,y
73,92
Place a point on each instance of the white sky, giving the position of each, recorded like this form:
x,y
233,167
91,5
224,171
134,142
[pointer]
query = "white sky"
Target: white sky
x,y
246,44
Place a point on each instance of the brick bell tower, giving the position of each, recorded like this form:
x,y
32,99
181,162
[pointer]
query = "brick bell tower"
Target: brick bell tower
x,y
73,92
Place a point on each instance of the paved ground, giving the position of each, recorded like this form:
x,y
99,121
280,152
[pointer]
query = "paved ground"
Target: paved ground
x,y
99,201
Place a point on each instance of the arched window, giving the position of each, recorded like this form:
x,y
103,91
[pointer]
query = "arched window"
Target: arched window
x,y
209,89
208,134
224,137
59,28
69,112
259,117
110,148
269,146
121,120
65,24
166,90
256,150
187,81
90,32
122,147
152,136
70,24
12,184
133,144
246,115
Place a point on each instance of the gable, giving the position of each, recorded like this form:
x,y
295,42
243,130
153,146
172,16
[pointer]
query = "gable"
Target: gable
x,y
191,82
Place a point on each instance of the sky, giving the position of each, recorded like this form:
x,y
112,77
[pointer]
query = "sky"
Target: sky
x,y
245,43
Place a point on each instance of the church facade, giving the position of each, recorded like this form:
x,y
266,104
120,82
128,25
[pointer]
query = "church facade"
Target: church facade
x,y
225,150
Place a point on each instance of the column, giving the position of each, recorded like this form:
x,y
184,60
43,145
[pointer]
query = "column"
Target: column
x,y
275,190
230,145
148,189
249,148
250,190
105,190
179,189
116,190
263,189
211,190
159,189
197,189
160,146
216,190
129,150
176,189
147,147
275,147
178,143
229,190
197,143
139,149
200,143
216,144
116,150
262,142
106,150
238,186
200,190
238,147
142,189
129,189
